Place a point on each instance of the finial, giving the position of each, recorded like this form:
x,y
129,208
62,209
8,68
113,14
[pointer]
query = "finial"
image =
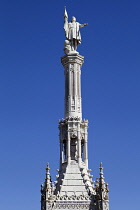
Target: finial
x,y
48,166
48,178
101,179
101,170
47,171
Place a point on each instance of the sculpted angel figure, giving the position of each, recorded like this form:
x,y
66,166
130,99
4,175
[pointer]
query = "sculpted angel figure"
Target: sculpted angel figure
x,y
72,31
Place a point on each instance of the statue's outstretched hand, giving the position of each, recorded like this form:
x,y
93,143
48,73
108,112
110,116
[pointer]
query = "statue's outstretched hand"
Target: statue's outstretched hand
x,y
85,24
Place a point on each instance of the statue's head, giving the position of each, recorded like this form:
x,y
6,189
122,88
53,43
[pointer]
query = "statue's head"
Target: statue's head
x,y
73,19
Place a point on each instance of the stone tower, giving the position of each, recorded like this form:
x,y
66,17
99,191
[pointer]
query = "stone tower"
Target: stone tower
x,y
73,188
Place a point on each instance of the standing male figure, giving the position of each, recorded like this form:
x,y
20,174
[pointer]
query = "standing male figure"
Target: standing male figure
x,y
72,31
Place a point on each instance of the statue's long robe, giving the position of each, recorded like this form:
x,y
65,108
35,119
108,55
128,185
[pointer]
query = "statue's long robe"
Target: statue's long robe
x,y
72,31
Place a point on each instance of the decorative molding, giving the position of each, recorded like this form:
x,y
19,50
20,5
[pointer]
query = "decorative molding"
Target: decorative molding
x,y
75,197
72,59
69,119
72,206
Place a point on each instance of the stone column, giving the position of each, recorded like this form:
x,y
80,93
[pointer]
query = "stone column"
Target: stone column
x,y
85,154
79,145
72,64
68,148
86,146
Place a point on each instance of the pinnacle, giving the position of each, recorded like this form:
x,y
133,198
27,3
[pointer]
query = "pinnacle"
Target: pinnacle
x,y
101,170
47,167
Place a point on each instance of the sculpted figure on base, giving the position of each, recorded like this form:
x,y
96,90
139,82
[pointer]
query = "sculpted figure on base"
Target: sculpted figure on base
x,y
72,32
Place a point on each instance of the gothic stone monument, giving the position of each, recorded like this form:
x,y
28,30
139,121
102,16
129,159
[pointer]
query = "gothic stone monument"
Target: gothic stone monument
x,y
73,188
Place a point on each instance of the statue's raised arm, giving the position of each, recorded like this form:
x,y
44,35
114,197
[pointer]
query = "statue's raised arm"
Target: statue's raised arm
x,y
72,33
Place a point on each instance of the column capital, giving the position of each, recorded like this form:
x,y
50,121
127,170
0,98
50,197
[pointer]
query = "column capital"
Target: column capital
x,y
72,58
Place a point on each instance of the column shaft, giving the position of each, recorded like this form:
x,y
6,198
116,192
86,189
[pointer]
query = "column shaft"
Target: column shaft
x,y
86,151
79,145
68,148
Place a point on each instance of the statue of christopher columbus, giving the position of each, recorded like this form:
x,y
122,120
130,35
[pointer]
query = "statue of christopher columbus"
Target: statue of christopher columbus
x,y
72,33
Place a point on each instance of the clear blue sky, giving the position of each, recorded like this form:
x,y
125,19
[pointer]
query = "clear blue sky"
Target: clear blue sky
x,y
32,95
